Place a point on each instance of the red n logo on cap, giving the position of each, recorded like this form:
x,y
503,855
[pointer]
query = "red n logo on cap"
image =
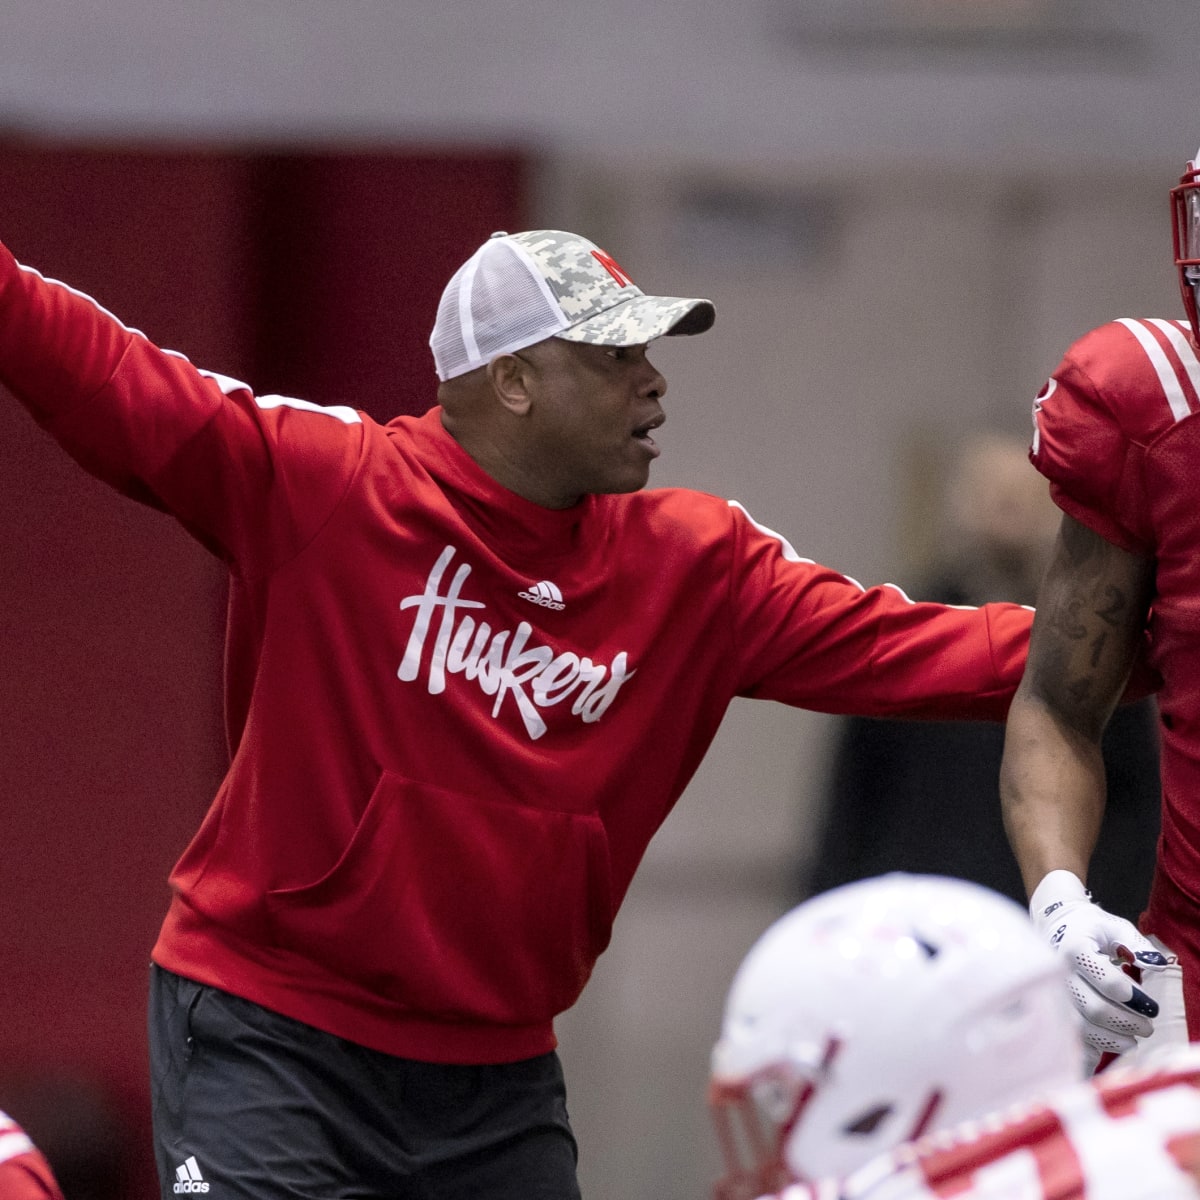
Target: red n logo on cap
x,y
610,265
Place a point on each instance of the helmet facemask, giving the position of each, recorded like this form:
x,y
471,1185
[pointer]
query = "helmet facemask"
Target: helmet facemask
x,y
754,1119
760,1123
1185,228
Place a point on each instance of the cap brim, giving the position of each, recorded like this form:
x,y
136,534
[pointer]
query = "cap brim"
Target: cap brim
x,y
641,319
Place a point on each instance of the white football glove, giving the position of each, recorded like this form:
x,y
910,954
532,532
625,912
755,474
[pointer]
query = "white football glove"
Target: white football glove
x,y
1115,1011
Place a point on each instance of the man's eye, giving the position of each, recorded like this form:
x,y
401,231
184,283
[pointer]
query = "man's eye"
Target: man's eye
x,y
617,352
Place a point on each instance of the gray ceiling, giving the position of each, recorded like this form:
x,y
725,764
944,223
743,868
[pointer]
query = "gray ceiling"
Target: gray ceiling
x,y
1006,82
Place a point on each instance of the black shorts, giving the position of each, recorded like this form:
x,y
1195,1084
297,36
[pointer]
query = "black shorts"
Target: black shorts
x,y
251,1105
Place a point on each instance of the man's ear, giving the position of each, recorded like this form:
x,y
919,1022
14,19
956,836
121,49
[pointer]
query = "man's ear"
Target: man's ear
x,y
510,378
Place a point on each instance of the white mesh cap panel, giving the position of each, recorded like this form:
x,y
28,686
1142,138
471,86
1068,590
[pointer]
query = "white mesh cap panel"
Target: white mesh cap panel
x,y
511,304
521,288
446,341
496,302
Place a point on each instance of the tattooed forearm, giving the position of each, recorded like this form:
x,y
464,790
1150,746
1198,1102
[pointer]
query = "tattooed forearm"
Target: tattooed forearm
x,y
1091,611
1064,619
1078,545
1069,617
1116,611
1059,675
1078,658
1079,690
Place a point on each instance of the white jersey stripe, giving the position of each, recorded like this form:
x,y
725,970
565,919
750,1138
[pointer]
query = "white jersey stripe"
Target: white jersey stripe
x,y
12,1144
1182,345
789,552
1167,379
786,547
342,412
82,295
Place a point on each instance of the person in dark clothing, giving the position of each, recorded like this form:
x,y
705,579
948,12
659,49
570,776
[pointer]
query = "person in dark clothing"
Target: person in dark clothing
x,y
924,797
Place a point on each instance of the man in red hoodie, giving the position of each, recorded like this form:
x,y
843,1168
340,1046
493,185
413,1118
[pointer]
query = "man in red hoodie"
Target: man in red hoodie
x,y
471,667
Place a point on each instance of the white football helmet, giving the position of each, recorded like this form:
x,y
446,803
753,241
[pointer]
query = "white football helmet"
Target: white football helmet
x,y
877,1012
1185,229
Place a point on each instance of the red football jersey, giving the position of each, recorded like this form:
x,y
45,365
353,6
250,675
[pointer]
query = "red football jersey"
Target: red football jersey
x,y
1116,433
24,1172
1125,1135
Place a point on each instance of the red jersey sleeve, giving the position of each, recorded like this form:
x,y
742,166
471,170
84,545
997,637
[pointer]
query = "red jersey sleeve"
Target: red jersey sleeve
x,y
1114,392
28,1177
24,1172
196,444
810,637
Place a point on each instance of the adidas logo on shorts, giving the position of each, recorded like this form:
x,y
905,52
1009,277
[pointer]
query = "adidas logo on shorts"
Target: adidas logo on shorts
x,y
188,1180
545,594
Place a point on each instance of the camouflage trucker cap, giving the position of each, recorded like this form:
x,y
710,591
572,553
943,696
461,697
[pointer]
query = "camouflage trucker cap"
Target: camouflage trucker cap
x,y
521,288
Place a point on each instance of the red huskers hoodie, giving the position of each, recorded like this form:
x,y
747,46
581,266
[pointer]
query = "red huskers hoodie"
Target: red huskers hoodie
x,y
456,719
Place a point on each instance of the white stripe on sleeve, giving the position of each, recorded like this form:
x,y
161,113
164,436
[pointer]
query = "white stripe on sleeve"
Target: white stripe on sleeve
x,y
1182,345
1167,378
12,1144
341,412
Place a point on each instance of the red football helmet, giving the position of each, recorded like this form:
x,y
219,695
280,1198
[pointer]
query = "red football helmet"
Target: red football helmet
x,y
1185,225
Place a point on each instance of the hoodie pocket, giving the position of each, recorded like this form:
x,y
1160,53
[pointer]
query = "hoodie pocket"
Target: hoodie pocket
x,y
466,908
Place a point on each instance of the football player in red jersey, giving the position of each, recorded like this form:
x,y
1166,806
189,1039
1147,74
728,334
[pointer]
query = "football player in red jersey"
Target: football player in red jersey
x,y
909,1037
24,1172
1117,433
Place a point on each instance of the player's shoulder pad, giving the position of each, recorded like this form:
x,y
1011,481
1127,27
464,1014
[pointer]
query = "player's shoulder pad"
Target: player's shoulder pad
x,y
1143,371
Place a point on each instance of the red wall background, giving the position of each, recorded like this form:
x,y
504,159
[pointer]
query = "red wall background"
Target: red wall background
x,y
313,274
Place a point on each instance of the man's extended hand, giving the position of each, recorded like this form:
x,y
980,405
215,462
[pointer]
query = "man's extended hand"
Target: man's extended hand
x,y
1098,946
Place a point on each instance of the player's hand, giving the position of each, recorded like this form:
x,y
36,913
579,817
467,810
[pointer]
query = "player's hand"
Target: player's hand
x,y
1098,947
